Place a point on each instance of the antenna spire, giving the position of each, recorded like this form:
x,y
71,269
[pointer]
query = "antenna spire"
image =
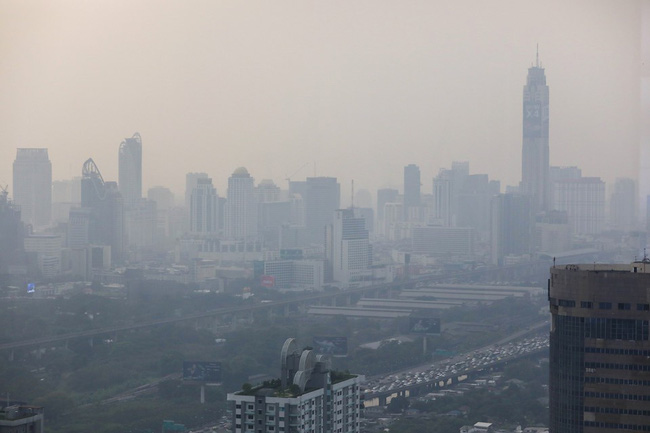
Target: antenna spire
x,y
537,57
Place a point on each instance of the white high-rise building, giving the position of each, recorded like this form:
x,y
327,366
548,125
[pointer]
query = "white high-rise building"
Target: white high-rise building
x,y
33,186
204,208
348,248
241,206
583,199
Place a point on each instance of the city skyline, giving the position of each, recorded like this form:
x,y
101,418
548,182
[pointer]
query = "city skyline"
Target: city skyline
x,y
330,85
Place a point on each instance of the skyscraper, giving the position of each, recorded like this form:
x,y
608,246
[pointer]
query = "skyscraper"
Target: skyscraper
x,y
321,197
105,212
204,205
599,348
12,232
411,188
535,153
385,195
510,226
33,186
130,169
241,207
623,205
348,247
583,199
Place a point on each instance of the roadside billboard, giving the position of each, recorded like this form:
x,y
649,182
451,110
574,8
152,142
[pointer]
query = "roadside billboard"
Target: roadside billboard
x,y
267,281
201,371
424,325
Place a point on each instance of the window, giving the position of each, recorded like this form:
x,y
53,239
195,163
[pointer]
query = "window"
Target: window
x,y
623,306
586,304
567,303
605,305
643,307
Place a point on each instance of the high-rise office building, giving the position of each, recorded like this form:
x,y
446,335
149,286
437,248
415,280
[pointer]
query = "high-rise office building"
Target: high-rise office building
x,y
33,186
599,348
411,188
385,195
535,149
511,226
622,205
308,397
190,184
443,198
130,169
583,199
321,196
204,208
241,206
104,212
348,247
12,232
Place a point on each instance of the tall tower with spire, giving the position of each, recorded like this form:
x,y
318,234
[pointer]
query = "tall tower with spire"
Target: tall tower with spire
x,y
535,159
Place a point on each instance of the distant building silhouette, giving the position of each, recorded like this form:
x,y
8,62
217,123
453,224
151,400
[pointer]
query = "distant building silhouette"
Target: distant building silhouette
x,y
622,205
130,170
32,176
321,196
412,185
190,184
204,208
241,206
12,233
511,226
385,195
535,149
103,215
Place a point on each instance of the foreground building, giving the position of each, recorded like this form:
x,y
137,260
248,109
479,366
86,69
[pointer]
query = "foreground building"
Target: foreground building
x,y
18,418
600,348
309,398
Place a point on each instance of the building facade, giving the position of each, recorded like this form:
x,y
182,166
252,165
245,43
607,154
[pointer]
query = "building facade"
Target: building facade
x,y
600,348
32,176
535,149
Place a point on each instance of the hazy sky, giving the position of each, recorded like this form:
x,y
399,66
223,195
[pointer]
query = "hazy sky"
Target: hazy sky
x,y
353,89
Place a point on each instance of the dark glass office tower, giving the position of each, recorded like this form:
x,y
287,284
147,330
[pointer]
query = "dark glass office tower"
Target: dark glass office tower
x,y
535,158
600,352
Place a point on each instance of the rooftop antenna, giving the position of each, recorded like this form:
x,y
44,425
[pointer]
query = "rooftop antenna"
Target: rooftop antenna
x,y
537,57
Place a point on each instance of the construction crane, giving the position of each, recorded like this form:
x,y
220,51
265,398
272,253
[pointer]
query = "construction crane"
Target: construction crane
x,y
288,178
